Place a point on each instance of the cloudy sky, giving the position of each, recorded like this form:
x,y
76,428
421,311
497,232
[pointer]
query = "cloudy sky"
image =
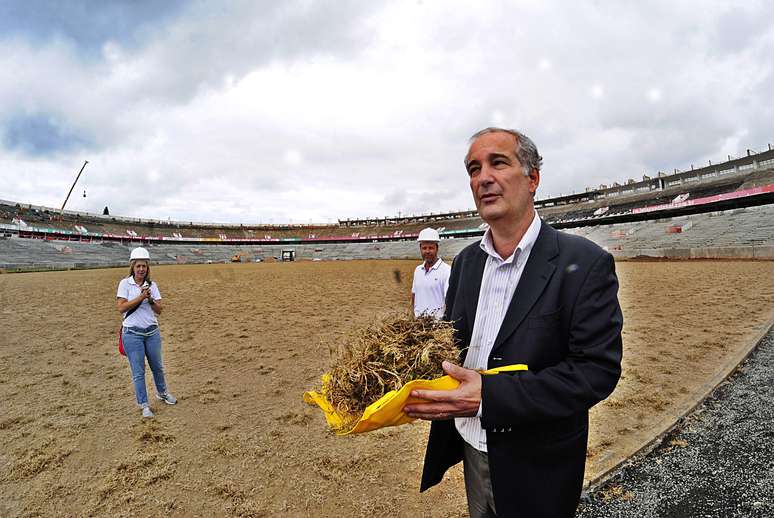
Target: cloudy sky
x,y
306,111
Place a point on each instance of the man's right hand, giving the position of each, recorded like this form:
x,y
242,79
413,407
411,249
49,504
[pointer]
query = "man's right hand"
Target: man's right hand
x,y
464,401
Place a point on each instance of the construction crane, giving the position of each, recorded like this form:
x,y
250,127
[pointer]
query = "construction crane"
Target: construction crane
x,y
61,211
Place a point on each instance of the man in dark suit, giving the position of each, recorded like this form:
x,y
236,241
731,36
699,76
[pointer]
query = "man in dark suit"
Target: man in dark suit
x,y
525,294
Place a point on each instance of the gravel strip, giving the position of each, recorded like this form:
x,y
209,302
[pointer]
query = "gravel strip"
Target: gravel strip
x,y
718,463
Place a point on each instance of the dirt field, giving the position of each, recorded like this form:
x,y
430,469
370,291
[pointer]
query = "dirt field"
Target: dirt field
x,y
243,342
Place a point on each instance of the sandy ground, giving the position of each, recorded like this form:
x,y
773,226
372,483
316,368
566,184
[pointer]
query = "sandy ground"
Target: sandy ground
x,y
243,342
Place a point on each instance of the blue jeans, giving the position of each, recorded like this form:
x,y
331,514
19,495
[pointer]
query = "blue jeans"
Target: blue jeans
x,y
140,343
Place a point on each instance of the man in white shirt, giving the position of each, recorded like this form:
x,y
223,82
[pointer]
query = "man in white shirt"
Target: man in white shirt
x,y
431,278
526,294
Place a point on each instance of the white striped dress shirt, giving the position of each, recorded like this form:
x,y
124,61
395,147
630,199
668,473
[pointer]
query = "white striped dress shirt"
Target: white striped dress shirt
x,y
498,283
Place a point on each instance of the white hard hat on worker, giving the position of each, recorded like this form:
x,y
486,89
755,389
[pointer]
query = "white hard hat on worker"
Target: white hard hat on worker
x,y
429,234
139,253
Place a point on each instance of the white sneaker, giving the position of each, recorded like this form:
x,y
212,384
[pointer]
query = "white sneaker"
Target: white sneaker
x,y
146,412
167,398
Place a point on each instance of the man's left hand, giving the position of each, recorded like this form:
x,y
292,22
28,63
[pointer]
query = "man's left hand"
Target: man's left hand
x,y
463,401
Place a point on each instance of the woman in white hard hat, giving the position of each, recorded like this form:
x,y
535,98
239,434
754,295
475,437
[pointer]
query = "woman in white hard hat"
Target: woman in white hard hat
x,y
139,300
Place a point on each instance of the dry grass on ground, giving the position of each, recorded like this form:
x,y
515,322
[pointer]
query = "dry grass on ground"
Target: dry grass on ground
x,y
242,343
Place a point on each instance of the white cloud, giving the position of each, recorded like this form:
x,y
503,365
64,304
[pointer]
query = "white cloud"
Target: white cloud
x,y
305,111
293,157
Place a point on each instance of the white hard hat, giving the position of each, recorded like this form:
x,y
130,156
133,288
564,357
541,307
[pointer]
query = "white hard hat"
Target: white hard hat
x,y
429,234
139,253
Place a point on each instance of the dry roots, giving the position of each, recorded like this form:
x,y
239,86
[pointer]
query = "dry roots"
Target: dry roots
x,y
383,357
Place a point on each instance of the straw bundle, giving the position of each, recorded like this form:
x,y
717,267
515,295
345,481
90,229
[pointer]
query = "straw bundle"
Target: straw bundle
x,y
384,356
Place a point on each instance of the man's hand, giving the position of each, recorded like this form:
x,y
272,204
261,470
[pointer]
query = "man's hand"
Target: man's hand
x,y
445,404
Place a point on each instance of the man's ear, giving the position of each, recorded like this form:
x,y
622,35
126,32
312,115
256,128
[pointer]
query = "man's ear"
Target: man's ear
x,y
534,180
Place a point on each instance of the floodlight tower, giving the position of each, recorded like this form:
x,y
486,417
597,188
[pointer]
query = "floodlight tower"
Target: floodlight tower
x,y
61,211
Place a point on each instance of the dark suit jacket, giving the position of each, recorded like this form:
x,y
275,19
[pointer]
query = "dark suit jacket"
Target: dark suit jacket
x,y
565,323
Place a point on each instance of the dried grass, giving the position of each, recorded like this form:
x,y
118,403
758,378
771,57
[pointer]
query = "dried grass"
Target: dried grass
x,y
143,469
384,356
37,460
151,433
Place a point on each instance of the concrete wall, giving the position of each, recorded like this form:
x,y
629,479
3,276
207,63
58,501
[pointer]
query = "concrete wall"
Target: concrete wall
x,y
725,252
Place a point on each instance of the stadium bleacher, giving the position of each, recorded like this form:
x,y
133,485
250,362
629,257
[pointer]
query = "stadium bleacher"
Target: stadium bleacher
x,y
727,212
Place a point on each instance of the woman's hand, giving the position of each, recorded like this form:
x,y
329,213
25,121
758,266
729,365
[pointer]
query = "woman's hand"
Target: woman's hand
x,y
125,305
155,306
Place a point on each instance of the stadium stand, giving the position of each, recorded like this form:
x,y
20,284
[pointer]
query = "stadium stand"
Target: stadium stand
x,y
725,210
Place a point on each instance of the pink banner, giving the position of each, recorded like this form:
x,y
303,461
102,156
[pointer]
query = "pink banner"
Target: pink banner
x,y
708,199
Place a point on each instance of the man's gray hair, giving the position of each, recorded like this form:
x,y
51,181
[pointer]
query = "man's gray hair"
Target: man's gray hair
x,y
526,150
